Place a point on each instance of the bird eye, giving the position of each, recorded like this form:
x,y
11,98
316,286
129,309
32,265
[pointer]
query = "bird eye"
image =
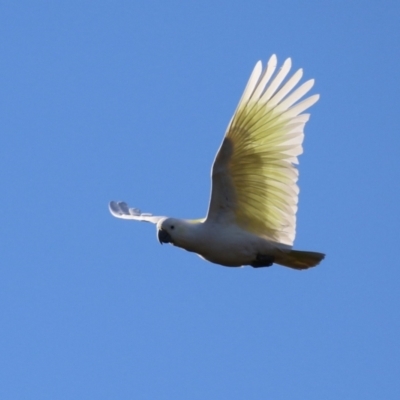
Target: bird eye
x,y
172,227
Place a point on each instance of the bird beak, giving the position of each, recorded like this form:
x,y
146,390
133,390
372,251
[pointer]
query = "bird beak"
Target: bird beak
x,y
164,236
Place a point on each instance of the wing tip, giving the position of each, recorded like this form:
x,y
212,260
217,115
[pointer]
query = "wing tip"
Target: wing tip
x,y
120,208
273,61
287,63
114,208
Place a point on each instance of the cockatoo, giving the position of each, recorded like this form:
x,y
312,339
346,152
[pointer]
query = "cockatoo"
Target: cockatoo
x,y
251,218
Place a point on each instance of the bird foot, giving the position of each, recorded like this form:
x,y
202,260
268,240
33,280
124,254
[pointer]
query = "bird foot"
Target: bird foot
x,y
262,261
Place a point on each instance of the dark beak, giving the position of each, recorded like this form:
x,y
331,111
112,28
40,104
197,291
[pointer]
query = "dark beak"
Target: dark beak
x,y
164,236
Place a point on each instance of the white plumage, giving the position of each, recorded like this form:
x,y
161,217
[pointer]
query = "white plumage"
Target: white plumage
x,y
252,213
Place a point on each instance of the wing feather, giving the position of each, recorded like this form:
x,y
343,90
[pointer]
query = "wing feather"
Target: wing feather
x,y
121,210
276,82
251,84
268,72
254,179
289,85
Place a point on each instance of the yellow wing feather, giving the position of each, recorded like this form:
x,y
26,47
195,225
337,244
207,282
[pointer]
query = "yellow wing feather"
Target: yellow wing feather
x,y
254,177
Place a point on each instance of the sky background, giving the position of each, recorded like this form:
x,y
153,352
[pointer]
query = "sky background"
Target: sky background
x,y
129,101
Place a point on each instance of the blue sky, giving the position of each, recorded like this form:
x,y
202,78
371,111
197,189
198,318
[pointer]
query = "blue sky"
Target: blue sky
x,y
122,100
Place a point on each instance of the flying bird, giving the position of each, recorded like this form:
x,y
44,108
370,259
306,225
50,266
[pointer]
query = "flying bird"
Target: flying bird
x,y
251,218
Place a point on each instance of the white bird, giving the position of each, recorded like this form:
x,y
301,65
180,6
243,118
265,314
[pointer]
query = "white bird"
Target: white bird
x,y
251,218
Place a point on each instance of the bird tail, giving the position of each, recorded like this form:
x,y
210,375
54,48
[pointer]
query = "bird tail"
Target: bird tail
x,y
299,259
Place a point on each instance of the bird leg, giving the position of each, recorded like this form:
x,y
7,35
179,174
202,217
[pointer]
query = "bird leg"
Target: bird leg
x,y
262,261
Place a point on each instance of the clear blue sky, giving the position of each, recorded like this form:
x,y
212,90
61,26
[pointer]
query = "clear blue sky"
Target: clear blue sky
x,y
129,100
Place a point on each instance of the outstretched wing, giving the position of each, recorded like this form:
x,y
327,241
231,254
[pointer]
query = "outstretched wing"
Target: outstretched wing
x,y
253,176
121,210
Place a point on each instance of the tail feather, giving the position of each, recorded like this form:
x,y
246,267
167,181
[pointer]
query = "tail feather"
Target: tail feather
x,y
299,259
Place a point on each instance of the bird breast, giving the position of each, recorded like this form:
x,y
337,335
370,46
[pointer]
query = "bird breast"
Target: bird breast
x,y
226,245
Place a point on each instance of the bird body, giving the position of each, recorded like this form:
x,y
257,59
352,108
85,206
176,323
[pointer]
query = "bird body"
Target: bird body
x,y
220,243
251,218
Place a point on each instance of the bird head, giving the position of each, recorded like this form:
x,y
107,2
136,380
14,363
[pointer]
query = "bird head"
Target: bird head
x,y
169,230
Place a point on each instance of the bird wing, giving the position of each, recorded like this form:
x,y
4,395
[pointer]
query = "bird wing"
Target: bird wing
x,y
253,175
121,210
